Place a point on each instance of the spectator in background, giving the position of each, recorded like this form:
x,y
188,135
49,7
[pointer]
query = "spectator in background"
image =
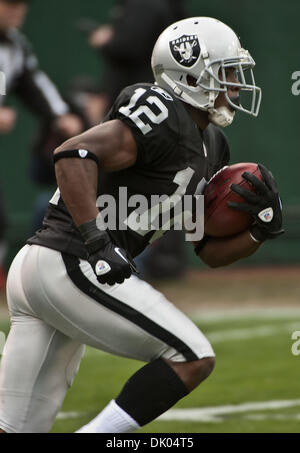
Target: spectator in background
x,y
126,46
28,82
126,43
2,243
82,97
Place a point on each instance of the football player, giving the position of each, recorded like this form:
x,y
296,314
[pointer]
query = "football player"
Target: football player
x,y
73,283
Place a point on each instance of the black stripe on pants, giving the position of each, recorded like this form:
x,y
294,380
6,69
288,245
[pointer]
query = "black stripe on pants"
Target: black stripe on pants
x,y
110,302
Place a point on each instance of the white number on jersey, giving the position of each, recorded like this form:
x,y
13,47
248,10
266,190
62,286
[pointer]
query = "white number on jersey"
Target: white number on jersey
x,y
141,223
134,115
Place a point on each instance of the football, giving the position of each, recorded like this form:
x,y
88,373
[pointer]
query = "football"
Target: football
x,y
219,219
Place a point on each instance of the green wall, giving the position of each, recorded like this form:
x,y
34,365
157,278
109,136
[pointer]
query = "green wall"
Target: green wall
x,y
269,30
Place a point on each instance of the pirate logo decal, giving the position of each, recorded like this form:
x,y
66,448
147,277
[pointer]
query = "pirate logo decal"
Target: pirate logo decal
x,y
186,50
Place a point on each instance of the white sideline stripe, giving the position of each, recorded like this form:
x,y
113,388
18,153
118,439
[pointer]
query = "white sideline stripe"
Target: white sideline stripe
x,y
214,414
220,336
211,413
259,417
251,332
69,415
242,313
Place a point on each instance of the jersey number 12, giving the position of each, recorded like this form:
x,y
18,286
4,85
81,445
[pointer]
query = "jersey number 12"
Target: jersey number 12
x,y
135,115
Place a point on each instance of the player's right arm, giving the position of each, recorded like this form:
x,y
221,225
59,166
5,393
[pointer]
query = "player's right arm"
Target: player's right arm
x,y
111,147
142,131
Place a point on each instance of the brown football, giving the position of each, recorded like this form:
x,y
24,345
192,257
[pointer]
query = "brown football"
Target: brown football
x,y
219,219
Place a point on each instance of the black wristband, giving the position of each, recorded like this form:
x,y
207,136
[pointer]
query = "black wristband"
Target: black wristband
x,y
257,234
75,153
94,238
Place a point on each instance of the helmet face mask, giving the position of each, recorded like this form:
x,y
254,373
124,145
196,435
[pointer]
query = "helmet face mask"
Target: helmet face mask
x,y
240,64
204,48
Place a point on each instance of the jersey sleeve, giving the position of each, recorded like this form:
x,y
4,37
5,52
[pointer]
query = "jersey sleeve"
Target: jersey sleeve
x,y
219,155
225,155
151,115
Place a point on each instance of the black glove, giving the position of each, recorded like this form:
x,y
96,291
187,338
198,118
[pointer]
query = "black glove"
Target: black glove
x,y
110,263
264,205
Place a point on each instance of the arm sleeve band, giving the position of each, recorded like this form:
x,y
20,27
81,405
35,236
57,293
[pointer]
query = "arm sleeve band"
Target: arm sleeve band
x,y
76,153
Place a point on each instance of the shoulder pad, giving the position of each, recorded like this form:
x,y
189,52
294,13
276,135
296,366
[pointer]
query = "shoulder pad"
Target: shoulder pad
x,y
149,90
151,114
149,109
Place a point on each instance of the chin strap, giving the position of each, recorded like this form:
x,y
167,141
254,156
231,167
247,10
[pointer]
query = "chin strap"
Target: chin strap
x,y
221,116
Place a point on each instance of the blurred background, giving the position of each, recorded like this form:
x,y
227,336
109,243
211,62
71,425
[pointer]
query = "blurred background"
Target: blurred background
x,y
248,311
58,31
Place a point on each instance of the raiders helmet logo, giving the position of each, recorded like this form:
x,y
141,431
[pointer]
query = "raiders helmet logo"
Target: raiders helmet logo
x,y
186,50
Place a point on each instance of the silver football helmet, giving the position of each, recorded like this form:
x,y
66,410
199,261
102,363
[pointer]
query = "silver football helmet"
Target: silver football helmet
x,y
204,48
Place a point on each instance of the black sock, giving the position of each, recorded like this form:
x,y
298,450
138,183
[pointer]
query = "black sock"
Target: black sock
x,y
151,391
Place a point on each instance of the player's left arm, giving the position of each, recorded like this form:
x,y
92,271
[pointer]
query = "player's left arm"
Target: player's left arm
x,y
265,207
219,252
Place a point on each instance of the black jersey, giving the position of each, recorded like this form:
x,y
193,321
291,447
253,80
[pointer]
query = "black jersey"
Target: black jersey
x,y
174,156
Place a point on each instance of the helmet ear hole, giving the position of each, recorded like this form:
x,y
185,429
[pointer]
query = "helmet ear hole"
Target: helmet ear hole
x,y
191,81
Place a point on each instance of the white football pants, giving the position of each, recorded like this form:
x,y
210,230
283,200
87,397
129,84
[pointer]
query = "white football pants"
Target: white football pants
x,y
56,306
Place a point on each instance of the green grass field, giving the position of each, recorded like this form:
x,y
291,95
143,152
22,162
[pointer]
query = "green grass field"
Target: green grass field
x,y
255,365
